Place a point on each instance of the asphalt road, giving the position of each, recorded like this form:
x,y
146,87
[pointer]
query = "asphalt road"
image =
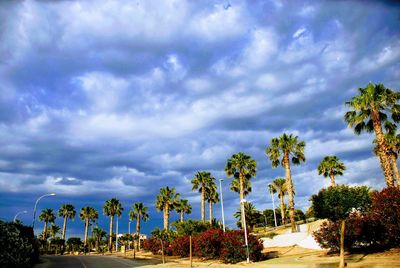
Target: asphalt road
x,y
84,262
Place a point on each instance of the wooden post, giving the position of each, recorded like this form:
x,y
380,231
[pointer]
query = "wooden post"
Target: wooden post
x,y
341,264
190,250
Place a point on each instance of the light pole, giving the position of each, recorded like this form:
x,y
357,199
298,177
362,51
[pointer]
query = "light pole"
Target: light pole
x,y
222,204
34,209
245,229
273,203
16,215
129,230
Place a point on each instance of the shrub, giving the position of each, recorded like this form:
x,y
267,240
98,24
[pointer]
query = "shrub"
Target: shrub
x,y
180,246
154,246
234,249
208,244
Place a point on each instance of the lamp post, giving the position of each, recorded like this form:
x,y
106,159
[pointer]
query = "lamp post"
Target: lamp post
x,y
245,229
129,230
16,215
273,203
222,204
34,209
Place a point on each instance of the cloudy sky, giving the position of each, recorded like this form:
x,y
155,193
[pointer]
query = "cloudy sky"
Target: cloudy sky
x,y
103,99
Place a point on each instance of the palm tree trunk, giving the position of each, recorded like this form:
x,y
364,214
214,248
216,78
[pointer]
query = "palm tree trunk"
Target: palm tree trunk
x,y
382,149
162,251
111,232
395,169
241,175
203,205
342,264
64,227
138,231
182,216
210,212
86,231
45,231
282,205
166,217
333,184
290,192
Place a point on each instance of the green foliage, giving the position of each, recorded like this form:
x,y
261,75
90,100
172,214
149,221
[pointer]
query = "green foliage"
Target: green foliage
x,y
335,203
17,245
233,249
190,227
253,216
167,196
74,244
286,144
241,163
138,209
113,207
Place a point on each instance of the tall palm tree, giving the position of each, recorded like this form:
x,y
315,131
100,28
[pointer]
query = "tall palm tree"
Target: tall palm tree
x,y
331,166
200,182
111,208
243,167
98,235
166,201
54,229
252,214
235,186
212,196
393,142
368,112
279,186
183,207
66,211
88,214
47,215
138,212
279,152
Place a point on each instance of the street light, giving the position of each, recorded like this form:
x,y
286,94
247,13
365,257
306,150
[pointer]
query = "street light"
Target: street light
x,y
16,215
34,209
129,230
273,203
222,204
245,229
116,236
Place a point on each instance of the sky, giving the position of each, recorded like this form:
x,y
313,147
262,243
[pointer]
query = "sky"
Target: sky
x,y
104,99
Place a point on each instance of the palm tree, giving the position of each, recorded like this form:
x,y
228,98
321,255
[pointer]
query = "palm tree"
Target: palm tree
x,y
111,208
251,213
200,182
235,186
279,152
212,196
369,112
54,229
98,235
279,186
166,201
331,166
393,142
66,211
161,235
47,215
139,211
183,207
88,214
243,167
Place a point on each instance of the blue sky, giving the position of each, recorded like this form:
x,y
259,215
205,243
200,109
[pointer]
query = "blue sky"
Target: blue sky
x,y
103,99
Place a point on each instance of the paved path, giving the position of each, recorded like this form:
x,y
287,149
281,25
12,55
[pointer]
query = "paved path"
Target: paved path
x,y
85,262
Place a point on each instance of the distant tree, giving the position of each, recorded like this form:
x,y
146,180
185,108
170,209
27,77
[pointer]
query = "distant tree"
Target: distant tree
x,y
368,112
98,235
54,230
253,216
235,186
165,202
88,214
243,167
336,203
67,211
330,167
212,196
111,208
280,186
183,207
47,216
138,212
279,152
74,243
161,235
200,182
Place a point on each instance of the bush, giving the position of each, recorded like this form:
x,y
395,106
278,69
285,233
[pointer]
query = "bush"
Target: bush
x,y
17,245
234,249
154,246
208,244
180,246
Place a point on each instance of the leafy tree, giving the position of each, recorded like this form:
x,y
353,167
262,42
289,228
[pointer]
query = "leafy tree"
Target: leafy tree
x,y
183,207
368,112
88,214
138,212
47,216
54,230
200,182
166,201
161,235
235,186
280,186
336,203
111,208
331,166
253,216
279,152
98,235
212,196
74,243
243,167
67,211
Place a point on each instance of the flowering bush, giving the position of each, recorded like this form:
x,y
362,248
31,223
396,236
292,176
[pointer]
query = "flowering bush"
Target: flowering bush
x,y
180,246
234,250
208,244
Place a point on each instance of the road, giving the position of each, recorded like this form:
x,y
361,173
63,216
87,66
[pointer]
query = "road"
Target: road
x,y
85,262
